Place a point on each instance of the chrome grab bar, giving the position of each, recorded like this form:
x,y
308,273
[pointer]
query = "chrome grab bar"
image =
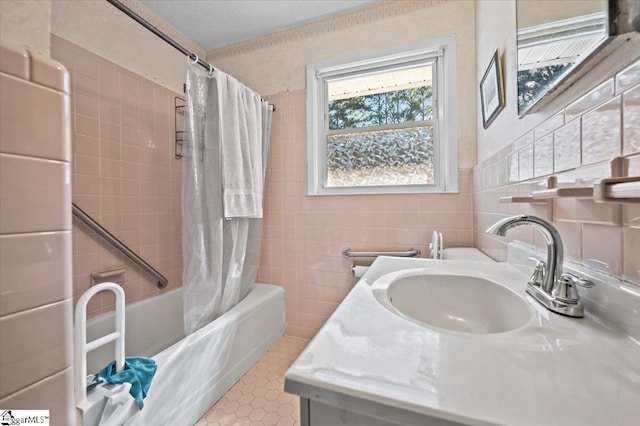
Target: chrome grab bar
x,y
414,252
122,247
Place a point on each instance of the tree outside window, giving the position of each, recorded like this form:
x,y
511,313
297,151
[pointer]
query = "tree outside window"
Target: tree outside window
x,y
383,122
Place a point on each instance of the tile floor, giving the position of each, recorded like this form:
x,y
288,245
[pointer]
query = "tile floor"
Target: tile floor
x,y
258,398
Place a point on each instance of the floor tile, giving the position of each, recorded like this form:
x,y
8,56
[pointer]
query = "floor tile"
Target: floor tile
x,y
258,398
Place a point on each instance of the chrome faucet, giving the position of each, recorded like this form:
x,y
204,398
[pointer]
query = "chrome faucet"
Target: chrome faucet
x,y
548,285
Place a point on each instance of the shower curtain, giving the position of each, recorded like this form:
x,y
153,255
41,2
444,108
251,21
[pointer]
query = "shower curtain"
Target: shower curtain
x,y
226,144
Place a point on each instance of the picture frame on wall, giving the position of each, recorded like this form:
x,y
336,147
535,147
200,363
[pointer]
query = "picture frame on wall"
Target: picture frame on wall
x,y
492,97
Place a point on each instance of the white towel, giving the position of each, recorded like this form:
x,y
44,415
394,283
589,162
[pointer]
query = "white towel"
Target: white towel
x,y
240,132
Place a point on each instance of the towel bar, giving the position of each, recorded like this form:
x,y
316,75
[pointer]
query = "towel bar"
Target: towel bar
x,y
348,253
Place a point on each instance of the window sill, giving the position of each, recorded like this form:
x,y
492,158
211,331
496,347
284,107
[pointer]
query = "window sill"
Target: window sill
x,y
381,190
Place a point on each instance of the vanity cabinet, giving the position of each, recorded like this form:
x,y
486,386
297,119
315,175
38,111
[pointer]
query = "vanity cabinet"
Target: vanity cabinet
x,y
314,413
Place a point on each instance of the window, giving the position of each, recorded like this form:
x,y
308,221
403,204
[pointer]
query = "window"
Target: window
x,y
383,123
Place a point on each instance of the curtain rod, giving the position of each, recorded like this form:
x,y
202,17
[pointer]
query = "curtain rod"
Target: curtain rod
x,y
148,25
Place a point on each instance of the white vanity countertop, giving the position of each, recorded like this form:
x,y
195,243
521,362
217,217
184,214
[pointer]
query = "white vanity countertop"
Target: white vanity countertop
x,y
553,371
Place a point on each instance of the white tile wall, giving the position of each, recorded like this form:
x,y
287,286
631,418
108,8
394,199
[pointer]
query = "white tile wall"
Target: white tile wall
x,y
567,146
601,124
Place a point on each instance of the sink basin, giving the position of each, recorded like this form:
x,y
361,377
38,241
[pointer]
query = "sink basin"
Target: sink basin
x,y
460,303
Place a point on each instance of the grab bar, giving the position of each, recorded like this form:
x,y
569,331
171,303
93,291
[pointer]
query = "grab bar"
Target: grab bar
x,y
414,252
122,247
81,347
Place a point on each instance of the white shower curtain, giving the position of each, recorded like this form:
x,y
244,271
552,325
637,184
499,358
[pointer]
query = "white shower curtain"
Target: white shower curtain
x,y
226,144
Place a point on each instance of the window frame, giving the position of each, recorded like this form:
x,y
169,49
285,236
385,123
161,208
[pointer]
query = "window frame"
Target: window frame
x,y
445,160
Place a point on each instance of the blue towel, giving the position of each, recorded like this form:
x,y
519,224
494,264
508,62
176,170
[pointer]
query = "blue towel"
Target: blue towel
x,y
137,370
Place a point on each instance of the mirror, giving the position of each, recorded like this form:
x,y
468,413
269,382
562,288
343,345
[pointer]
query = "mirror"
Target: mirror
x,y
553,38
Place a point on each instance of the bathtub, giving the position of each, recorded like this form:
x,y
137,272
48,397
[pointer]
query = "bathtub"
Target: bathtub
x,y
193,371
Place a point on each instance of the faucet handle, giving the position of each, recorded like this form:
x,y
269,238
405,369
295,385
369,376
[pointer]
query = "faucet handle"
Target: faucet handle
x,y
566,289
583,282
538,273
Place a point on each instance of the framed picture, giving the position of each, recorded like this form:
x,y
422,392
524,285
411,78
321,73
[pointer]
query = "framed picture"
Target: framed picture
x,y
492,91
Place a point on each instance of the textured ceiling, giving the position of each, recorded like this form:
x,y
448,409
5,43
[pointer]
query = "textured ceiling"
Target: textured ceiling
x,y
214,23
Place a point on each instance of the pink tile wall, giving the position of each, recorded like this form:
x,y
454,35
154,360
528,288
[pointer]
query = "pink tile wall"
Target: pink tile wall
x,y
35,236
303,237
124,173
575,145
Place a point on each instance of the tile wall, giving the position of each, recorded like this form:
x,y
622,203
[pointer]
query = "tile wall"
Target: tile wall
x,y
303,237
124,173
36,331
576,145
